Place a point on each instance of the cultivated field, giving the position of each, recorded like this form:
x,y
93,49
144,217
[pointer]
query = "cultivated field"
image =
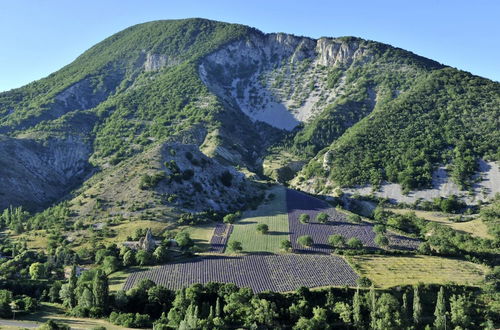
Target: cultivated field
x,y
220,236
279,273
273,214
388,271
299,203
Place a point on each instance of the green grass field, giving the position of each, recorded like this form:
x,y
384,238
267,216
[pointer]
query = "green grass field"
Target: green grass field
x,y
273,214
389,271
117,279
201,235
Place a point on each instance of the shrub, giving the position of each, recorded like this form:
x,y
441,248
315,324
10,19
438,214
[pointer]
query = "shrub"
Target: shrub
x,y
336,240
354,218
424,248
364,282
230,218
262,228
322,217
235,246
304,218
143,257
130,320
355,243
226,178
150,181
53,325
379,229
286,245
305,240
381,240
187,174
184,240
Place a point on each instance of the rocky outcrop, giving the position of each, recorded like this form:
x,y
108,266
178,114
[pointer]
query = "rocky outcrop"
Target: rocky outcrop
x,y
155,62
186,181
280,79
34,174
332,52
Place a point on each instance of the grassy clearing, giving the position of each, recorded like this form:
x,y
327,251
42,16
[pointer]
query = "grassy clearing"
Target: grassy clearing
x,y
35,239
273,214
476,227
128,229
55,312
389,271
117,279
201,235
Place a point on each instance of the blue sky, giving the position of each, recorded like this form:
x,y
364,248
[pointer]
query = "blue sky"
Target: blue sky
x,y
38,37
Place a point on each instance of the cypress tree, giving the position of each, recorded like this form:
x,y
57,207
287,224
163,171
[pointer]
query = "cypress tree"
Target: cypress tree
x,y
417,306
217,308
356,306
100,289
72,287
404,309
373,305
86,300
440,311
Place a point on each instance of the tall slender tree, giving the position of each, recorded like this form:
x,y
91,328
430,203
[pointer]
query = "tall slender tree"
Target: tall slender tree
x,y
72,287
372,296
100,290
404,310
460,311
440,311
356,306
417,306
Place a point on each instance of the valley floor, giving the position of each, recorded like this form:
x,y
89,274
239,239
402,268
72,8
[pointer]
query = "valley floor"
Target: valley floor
x,y
263,265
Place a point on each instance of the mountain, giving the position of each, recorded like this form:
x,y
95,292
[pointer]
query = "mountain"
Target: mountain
x,y
184,115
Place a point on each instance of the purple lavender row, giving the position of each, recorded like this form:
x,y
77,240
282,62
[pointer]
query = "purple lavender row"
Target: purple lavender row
x,y
299,203
219,239
260,273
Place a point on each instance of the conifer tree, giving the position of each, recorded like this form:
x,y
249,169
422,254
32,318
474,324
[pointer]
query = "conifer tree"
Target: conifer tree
x,y
217,308
100,290
404,309
373,304
440,311
356,306
72,287
417,306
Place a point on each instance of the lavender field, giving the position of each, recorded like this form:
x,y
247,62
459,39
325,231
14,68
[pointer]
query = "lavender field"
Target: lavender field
x,y
278,273
299,203
220,236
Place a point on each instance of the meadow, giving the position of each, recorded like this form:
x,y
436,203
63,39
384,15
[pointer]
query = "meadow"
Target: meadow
x,y
274,214
389,271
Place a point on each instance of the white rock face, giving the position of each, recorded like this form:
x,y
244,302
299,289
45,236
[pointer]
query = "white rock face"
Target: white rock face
x,y
485,189
155,62
279,79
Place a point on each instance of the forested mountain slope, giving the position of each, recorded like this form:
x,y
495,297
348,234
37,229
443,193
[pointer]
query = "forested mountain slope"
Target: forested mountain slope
x,y
355,111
